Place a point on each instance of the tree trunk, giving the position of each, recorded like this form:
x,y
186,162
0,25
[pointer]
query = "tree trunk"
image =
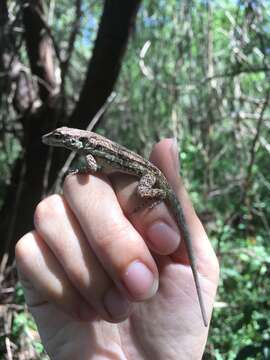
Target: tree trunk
x,y
29,172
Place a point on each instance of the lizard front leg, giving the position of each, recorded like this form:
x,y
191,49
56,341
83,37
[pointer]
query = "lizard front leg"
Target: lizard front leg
x,y
147,191
91,166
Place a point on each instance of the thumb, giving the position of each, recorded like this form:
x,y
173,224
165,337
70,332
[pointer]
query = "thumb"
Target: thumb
x,y
165,157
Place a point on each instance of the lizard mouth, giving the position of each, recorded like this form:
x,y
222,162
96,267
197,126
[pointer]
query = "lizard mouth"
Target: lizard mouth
x,y
48,139
45,139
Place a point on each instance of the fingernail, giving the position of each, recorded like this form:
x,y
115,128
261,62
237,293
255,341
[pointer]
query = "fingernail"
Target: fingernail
x,y
140,281
175,156
116,305
163,238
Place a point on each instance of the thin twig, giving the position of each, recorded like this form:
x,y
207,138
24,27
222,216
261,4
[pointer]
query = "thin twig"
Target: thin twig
x,y
146,70
255,140
50,34
236,72
71,42
8,290
8,347
57,185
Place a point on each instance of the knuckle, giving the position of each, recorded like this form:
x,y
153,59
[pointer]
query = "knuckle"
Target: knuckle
x,y
20,248
24,249
50,207
105,241
119,231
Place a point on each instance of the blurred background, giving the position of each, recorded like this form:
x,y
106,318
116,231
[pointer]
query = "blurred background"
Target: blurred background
x,y
195,70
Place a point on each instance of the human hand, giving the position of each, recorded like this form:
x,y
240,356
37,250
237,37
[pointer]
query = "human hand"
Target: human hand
x,y
84,275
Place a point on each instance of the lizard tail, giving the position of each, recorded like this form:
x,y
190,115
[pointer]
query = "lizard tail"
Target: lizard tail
x,y
187,238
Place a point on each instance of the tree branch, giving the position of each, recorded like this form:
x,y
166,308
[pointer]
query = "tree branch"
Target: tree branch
x,y
49,33
71,42
39,47
59,180
255,140
116,23
237,72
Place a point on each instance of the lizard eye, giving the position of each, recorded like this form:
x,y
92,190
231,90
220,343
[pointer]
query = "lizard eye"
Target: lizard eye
x,y
76,143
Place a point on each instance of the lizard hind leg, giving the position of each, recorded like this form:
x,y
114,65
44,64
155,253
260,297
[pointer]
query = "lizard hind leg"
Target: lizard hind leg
x,y
146,191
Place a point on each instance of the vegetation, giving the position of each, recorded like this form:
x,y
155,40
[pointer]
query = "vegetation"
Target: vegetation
x,y
195,70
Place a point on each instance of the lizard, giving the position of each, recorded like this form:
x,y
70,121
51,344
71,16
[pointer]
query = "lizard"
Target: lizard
x,y
105,156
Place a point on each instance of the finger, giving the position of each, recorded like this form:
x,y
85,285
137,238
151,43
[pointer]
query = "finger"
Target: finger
x,y
118,246
155,224
165,156
60,230
45,280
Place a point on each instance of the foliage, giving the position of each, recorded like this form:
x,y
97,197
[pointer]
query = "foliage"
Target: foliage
x,y
23,331
198,86
198,71
9,151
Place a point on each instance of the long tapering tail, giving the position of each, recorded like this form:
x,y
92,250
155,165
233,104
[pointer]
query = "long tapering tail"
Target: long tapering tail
x,y
178,210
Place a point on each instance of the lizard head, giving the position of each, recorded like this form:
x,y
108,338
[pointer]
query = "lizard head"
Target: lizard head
x,y
64,137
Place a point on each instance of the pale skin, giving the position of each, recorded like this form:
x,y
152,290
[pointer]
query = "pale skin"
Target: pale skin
x,y
82,271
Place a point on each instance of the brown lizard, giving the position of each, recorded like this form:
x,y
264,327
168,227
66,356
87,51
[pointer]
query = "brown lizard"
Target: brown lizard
x,y
103,155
